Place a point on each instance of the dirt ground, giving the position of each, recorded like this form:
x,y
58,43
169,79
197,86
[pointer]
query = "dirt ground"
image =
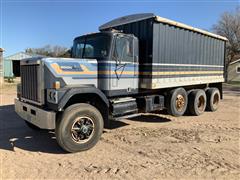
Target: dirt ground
x,y
146,147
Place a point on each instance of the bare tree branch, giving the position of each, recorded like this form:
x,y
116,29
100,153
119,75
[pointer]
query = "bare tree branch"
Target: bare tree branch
x,y
229,26
48,50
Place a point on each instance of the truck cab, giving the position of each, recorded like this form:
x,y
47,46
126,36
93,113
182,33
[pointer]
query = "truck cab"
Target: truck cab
x,y
102,71
117,60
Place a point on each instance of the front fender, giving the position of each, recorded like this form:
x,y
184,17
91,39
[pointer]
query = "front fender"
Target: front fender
x,y
71,91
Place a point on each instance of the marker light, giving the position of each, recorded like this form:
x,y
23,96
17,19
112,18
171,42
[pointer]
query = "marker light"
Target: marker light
x,y
56,85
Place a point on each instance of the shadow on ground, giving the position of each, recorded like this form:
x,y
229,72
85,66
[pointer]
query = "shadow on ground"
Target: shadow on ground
x,y
151,118
16,134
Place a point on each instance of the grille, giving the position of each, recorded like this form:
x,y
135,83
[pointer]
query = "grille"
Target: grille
x,y
29,81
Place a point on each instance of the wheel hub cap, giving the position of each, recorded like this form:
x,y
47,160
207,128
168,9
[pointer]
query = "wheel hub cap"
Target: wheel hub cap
x,y
82,129
180,102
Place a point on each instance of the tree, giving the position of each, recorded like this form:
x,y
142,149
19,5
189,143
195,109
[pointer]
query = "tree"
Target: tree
x,y
48,50
229,26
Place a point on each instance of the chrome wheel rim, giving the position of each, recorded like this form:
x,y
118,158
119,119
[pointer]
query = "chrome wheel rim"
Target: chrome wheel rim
x,y
82,129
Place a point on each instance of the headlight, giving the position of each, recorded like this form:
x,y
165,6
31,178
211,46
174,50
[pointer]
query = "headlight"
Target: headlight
x,y
52,96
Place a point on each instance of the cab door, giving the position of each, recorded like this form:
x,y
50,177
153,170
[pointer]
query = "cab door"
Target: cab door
x,y
124,78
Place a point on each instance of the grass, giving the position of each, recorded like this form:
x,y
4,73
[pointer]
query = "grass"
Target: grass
x,y
234,83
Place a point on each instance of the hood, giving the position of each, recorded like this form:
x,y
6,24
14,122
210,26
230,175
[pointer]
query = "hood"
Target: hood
x,y
71,66
70,71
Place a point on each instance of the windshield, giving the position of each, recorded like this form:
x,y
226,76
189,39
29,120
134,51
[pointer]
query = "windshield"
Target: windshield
x,y
92,47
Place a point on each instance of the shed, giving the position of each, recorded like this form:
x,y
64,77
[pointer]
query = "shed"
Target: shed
x,y
12,63
234,71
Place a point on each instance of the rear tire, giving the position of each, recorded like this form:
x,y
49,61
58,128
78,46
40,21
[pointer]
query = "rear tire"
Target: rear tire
x,y
32,126
79,128
213,99
177,102
197,102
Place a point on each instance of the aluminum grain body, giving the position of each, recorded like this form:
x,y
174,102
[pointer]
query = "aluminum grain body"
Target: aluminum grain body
x,y
173,54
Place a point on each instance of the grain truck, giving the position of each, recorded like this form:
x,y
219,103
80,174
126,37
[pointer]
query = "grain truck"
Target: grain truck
x,y
135,64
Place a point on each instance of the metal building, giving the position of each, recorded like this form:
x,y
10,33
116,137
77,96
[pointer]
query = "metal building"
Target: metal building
x,y
234,71
12,63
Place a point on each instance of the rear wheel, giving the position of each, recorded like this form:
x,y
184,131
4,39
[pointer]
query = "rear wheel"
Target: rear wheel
x,y
213,99
177,102
197,102
79,128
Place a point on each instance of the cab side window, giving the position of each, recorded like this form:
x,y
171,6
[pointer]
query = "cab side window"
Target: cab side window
x,y
89,51
123,51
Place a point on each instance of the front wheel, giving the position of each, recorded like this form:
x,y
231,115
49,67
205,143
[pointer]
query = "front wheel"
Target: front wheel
x,y
79,128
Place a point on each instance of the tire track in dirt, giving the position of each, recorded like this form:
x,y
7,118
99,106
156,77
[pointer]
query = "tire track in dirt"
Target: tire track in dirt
x,y
194,160
188,147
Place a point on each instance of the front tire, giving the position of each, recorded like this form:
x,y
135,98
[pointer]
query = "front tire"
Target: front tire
x,y
79,128
177,102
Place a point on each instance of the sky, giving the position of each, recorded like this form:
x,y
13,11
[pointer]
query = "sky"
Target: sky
x,y
36,23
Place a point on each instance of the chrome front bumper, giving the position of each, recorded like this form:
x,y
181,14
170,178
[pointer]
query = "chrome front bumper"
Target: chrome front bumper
x,y
39,117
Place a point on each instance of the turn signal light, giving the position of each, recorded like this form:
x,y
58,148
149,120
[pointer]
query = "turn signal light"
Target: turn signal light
x,y
56,85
